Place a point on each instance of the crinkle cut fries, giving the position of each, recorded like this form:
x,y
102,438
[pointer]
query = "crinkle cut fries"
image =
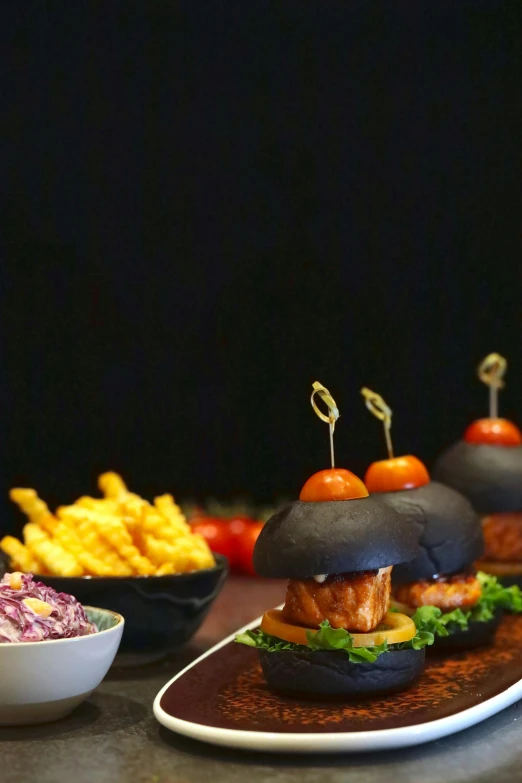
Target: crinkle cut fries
x,y
119,534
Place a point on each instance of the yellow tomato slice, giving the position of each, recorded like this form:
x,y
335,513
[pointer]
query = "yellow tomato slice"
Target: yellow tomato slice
x,y
499,568
394,628
274,625
398,606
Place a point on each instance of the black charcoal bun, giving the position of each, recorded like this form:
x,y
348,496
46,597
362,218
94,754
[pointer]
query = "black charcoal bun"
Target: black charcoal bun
x,y
321,673
333,537
477,634
449,530
490,476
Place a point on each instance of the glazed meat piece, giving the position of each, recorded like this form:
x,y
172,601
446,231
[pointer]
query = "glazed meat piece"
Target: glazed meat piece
x,y
356,601
503,537
446,592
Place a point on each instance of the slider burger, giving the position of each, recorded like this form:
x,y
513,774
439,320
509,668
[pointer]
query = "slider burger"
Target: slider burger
x,y
486,466
442,574
334,634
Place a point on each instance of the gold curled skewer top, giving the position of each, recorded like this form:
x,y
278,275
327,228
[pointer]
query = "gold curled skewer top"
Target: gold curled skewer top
x,y
382,411
324,394
491,371
333,411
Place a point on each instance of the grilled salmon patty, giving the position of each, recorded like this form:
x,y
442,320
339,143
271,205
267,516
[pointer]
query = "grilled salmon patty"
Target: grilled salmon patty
x,y
355,601
448,593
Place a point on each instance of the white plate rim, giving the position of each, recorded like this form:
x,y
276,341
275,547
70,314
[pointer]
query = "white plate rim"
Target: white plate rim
x,y
334,742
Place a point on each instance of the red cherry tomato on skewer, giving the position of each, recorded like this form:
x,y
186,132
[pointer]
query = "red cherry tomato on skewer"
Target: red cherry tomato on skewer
x,y
333,484
391,475
496,432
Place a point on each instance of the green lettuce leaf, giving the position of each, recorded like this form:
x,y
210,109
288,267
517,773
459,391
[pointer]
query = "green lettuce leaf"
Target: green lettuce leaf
x,y
455,619
494,597
426,619
263,641
328,638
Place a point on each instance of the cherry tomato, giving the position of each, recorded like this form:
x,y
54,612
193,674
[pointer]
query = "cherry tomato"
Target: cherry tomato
x,y
390,475
497,432
245,546
238,526
217,534
333,484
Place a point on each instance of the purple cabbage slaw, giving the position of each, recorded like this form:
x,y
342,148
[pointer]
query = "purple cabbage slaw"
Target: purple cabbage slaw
x,y
19,623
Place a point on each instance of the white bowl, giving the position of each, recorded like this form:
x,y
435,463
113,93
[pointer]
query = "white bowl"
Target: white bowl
x,y
44,681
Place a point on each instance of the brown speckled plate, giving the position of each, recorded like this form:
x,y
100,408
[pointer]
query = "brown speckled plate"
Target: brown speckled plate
x,y
222,698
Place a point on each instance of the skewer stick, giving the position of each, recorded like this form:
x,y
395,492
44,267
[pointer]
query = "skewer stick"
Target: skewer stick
x,y
491,370
333,412
377,406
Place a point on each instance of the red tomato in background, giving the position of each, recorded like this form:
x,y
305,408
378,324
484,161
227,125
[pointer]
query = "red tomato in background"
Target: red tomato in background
x,y
238,526
240,521
245,546
217,534
235,538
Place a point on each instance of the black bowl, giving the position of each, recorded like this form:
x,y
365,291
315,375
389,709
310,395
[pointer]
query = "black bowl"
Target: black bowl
x,y
161,612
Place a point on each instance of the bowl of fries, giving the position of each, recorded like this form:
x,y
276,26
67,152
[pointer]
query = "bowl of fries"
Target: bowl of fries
x,y
122,553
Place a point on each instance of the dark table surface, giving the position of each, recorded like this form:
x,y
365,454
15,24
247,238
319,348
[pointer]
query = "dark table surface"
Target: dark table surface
x,y
114,737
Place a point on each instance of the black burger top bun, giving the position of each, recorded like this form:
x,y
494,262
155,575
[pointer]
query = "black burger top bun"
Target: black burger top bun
x,y
333,537
449,530
490,476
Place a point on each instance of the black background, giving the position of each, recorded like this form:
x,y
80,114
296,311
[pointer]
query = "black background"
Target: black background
x,y
207,206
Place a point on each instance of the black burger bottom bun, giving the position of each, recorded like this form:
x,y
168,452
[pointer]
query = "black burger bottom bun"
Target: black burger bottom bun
x,y
477,634
322,673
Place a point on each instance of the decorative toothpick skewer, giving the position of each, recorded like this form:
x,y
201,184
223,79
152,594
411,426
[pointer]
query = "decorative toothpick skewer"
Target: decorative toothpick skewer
x,y
491,370
377,406
333,412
